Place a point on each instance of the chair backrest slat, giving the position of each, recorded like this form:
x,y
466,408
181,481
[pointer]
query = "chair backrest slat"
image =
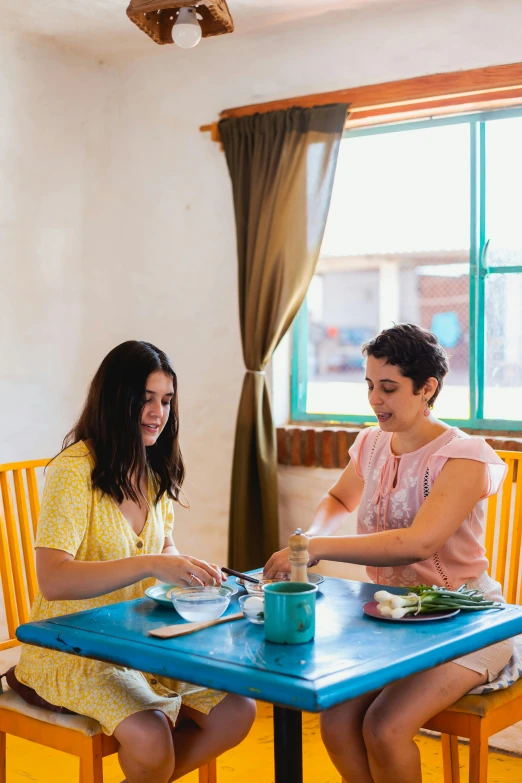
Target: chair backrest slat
x,y
17,532
505,527
503,534
6,572
34,500
512,593
14,549
491,522
25,534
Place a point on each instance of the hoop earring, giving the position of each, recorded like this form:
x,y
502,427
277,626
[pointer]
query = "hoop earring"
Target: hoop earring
x,y
427,408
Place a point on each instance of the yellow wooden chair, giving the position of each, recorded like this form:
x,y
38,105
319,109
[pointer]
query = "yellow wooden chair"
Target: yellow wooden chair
x,y
73,734
479,717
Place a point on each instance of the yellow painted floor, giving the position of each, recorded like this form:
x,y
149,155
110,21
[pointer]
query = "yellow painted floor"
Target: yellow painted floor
x,y
251,762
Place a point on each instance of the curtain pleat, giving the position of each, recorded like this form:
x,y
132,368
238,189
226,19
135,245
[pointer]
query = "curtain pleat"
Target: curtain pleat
x,y
282,167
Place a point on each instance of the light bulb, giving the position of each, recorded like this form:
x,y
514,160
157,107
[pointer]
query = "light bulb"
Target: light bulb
x,y
186,31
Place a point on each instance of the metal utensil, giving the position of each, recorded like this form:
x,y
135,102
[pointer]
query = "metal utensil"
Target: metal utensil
x,y
246,577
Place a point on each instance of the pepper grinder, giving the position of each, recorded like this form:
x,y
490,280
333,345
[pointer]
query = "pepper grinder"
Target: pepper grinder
x,y
298,544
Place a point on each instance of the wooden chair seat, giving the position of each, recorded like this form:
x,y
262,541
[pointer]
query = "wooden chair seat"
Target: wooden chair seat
x,y
10,701
485,704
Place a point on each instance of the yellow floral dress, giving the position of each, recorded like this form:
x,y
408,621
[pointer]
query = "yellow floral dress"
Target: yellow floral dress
x,y
88,524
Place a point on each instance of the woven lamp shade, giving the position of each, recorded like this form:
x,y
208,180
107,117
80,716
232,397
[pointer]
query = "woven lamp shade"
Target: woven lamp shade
x,y
157,17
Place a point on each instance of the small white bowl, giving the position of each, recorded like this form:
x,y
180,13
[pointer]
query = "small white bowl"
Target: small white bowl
x,y
253,607
201,605
257,589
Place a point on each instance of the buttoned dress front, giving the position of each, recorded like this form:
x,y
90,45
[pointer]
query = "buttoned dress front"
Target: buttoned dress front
x,y
87,523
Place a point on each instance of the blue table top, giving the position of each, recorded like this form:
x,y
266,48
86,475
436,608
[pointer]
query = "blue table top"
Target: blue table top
x,y
351,654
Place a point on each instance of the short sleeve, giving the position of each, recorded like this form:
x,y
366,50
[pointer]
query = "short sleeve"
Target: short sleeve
x,y
358,451
168,515
473,448
66,505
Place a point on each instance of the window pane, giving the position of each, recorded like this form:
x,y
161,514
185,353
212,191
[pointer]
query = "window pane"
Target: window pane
x,y
396,248
503,369
503,318
503,190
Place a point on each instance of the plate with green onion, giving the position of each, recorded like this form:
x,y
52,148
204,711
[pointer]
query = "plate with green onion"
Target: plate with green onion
x,y
371,609
423,603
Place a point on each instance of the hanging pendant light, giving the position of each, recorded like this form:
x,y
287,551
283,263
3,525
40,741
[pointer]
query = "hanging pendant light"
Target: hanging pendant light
x,y
157,18
186,32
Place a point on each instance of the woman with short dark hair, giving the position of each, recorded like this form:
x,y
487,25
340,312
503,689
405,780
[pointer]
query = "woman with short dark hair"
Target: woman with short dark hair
x,y
419,486
104,535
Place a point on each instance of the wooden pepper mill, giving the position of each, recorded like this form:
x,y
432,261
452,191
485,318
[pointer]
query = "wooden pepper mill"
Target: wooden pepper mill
x,y
298,544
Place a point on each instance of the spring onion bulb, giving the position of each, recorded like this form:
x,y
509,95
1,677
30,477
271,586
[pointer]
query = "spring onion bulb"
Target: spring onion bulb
x,y
423,600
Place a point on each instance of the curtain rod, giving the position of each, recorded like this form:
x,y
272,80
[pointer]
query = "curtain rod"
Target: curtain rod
x,y
495,86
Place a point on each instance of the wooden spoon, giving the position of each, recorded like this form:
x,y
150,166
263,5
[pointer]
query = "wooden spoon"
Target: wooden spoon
x,y
182,629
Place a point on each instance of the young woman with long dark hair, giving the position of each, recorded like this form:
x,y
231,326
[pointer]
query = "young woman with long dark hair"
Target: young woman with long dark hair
x,y
105,535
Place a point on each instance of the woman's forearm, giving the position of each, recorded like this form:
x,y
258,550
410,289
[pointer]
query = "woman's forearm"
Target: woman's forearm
x,y
387,548
330,515
170,550
75,579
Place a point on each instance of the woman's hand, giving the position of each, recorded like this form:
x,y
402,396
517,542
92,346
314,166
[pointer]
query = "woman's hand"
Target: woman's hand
x,y
279,563
342,498
186,571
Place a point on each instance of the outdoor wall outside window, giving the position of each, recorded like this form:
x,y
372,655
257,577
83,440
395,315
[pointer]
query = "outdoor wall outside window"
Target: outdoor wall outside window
x,y
424,226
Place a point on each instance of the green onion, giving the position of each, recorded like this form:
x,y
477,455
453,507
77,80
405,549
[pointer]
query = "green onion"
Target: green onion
x,y
422,599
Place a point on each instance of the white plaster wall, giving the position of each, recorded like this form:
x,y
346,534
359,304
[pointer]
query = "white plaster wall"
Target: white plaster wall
x,y
50,99
51,103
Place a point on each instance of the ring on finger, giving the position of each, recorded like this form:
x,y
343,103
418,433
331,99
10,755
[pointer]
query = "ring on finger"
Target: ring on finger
x,y
191,580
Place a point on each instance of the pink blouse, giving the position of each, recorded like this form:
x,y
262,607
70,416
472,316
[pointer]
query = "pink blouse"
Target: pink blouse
x,y
387,507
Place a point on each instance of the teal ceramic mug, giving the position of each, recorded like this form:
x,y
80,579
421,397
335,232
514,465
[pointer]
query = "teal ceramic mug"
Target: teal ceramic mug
x,y
289,612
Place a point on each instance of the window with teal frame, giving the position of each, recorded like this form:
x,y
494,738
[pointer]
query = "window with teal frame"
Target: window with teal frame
x,y
425,226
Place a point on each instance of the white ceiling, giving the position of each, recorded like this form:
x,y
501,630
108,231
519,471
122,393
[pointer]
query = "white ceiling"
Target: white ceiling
x,y
90,24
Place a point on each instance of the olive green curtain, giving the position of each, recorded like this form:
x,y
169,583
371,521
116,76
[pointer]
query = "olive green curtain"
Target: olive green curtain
x,y
282,166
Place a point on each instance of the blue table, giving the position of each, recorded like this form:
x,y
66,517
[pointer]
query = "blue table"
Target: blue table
x,y
352,654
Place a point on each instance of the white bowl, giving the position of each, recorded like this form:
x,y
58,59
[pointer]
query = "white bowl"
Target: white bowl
x,y
254,589
253,607
201,605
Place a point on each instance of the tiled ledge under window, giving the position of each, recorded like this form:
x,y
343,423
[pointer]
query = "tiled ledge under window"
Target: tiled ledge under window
x,y
327,447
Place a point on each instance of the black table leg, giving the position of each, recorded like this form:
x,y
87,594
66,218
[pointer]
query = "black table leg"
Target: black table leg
x,y
288,745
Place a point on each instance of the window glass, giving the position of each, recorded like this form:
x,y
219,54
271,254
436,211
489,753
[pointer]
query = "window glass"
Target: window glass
x,y
396,248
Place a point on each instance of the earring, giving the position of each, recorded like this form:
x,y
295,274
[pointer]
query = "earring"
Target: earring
x,y
427,408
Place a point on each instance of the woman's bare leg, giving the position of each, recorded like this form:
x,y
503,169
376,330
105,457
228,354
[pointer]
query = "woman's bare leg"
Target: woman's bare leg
x,y
342,734
146,751
204,737
400,710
